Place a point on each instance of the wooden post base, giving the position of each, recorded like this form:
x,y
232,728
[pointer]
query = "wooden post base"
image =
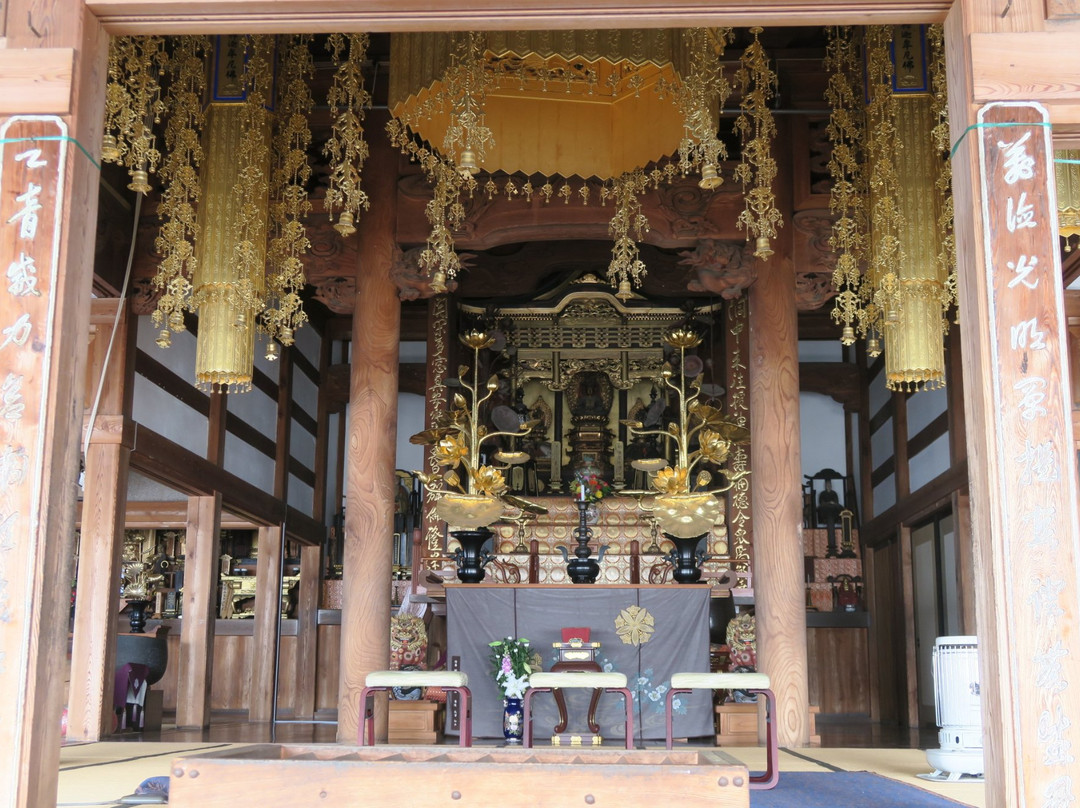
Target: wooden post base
x,y
737,724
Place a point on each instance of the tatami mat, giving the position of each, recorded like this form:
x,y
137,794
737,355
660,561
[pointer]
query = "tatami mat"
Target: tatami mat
x,y
101,773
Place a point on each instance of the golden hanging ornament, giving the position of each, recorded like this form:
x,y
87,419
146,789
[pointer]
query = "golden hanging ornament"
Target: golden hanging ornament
x,y
289,206
180,188
627,227
133,106
346,149
756,125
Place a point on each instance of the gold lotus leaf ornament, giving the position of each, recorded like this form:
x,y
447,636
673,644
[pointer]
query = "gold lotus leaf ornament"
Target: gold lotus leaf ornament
x,y
634,625
468,511
683,338
671,480
686,515
477,340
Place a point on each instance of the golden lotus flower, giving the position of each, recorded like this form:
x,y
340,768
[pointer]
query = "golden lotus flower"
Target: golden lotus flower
x,y
714,447
683,338
477,340
488,481
450,451
671,480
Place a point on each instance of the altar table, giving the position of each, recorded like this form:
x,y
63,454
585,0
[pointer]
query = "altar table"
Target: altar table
x,y
647,632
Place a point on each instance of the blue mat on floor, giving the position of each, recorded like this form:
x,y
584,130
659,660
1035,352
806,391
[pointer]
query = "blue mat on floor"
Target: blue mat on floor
x,y
844,790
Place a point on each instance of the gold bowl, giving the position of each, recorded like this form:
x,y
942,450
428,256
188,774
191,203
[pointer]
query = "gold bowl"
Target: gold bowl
x,y
468,511
686,515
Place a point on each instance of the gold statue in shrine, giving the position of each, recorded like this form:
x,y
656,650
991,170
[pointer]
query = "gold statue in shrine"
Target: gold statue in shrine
x,y
589,396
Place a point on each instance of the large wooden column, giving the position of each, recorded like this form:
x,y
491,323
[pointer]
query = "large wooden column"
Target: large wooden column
x,y
372,446
1019,431
264,640
776,485
93,647
44,321
196,665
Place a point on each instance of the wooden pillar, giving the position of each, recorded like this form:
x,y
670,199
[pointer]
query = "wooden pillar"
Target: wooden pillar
x,y
776,484
196,665
93,648
372,445
44,321
1019,434
264,641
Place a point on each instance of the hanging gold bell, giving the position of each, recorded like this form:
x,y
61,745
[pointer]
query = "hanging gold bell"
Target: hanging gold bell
x,y
625,292
272,351
140,181
345,224
762,247
710,178
110,152
467,164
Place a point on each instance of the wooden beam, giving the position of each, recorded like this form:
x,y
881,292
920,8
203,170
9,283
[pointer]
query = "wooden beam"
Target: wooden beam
x,y
928,434
166,514
313,16
282,442
931,497
264,643
93,648
158,457
44,372
1031,66
36,80
196,663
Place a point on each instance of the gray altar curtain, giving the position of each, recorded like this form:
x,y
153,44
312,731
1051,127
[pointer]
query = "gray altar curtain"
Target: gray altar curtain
x,y
679,642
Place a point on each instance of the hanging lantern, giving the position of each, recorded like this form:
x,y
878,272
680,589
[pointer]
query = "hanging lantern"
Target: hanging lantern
x,y
1067,171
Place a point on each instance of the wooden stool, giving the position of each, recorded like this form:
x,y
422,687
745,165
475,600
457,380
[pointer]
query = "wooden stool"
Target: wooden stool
x,y
751,682
377,681
550,681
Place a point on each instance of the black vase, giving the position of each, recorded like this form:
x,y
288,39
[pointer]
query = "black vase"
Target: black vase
x,y
471,558
686,558
721,610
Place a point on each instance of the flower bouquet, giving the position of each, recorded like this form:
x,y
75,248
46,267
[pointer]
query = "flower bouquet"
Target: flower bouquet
x,y
512,661
590,488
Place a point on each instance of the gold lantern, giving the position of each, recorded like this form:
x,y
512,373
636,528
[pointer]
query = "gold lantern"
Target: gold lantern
x,y
1067,172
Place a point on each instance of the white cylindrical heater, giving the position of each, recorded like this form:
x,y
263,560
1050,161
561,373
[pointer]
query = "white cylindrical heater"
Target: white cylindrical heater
x,y
957,706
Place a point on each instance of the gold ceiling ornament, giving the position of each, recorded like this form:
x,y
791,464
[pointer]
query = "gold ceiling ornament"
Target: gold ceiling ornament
x,y
847,202
941,139
627,227
470,491
347,149
229,284
180,184
701,95
467,137
685,504
1067,173
899,303
756,125
886,252
133,105
289,205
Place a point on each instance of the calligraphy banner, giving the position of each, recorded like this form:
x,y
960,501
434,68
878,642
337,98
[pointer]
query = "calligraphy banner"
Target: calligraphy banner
x,y
1036,568
33,161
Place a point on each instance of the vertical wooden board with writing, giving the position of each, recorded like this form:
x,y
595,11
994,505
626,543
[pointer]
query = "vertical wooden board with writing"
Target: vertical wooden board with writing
x,y
1037,564
33,152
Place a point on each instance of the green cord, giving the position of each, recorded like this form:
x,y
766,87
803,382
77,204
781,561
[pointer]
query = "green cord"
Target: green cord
x,y
987,125
67,138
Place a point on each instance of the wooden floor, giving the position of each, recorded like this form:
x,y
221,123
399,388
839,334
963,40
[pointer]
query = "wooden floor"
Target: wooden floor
x,y
235,728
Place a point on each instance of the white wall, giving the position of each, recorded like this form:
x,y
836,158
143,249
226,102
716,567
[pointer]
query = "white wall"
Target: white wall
x,y
410,421
822,438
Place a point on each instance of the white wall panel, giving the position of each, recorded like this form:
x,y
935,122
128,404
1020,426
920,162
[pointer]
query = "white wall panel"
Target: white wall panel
x,y
410,421
820,350
302,445
157,410
179,357
822,440
247,462
881,444
885,495
301,496
929,463
924,407
256,409
879,393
